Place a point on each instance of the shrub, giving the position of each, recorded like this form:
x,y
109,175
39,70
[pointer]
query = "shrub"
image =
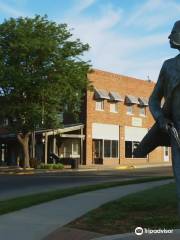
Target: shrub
x,y
33,163
51,166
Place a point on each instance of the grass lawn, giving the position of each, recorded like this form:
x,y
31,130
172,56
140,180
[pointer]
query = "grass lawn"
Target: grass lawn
x,y
18,203
154,208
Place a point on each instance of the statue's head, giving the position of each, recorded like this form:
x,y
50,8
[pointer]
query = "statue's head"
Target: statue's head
x,y
175,36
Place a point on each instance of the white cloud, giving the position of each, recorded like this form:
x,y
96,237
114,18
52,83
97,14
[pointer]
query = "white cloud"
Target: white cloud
x,y
110,17
111,48
113,51
124,52
11,11
154,14
80,6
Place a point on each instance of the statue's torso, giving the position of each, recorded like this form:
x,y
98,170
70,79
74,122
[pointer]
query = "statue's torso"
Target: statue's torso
x,y
175,106
172,88
171,75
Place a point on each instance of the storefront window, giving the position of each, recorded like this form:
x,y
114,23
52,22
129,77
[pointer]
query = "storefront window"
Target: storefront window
x,y
111,148
128,149
97,146
114,149
107,148
130,146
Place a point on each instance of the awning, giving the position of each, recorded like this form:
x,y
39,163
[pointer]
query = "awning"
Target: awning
x,y
143,101
131,99
101,94
114,96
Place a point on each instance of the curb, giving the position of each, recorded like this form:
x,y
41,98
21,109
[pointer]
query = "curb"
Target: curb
x,y
131,236
31,171
125,167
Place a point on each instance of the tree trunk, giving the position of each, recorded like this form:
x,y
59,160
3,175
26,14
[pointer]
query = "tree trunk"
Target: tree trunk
x,y
24,141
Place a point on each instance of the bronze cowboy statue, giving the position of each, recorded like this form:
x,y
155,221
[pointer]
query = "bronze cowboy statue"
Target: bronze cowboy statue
x,y
166,130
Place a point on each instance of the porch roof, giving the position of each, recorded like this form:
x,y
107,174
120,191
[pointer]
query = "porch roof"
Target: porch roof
x,y
64,129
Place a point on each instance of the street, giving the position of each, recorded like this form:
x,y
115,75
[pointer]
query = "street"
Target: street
x,y
18,185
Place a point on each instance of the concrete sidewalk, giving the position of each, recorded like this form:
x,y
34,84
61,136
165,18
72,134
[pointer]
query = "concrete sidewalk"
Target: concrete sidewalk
x,y
36,222
131,236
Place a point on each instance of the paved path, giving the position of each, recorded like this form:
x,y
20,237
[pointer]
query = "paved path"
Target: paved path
x,y
36,222
131,236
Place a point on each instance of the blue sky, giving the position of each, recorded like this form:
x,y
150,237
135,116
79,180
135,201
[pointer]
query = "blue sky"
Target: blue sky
x,y
128,37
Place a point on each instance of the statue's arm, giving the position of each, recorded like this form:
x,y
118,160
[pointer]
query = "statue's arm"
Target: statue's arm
x,y
157,95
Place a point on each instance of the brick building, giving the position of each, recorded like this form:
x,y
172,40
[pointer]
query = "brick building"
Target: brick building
x,y
117,118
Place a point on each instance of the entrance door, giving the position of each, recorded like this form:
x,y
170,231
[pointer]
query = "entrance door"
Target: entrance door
x,y
97,151
166,154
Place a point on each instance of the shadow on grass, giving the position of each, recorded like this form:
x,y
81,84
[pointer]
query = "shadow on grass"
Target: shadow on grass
x,y
154,208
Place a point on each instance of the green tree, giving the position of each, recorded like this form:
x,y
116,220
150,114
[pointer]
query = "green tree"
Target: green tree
x,y
41,72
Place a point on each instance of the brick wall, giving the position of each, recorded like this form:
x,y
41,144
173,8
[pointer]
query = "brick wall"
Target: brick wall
x,y
124,86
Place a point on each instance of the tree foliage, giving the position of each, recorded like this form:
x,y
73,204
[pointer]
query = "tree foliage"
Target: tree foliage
x,y
41,72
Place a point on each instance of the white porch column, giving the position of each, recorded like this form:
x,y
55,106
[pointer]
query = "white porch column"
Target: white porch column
x,y
81,145
46,148
54,144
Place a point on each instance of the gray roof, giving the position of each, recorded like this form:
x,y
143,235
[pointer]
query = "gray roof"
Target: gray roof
x,y
101,94
131,99
143,101
114,96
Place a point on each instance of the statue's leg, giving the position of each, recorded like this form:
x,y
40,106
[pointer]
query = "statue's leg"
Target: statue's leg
x,y
176,168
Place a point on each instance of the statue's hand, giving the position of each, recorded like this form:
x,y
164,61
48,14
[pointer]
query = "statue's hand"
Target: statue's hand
x,y
164,124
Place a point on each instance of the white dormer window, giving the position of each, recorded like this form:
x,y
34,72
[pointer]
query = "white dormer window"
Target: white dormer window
x,y
129,109
100,105
142,111
114,107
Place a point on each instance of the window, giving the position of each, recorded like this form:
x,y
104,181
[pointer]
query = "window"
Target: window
x,y
128,149
114,107
4,122
97,148
114,149
166,151
75,148
142,111
130,146
107,148
111,148
134,145
100,105
129,109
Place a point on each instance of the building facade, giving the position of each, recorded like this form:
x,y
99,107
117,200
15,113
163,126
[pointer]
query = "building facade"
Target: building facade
x,y
65,143
117,118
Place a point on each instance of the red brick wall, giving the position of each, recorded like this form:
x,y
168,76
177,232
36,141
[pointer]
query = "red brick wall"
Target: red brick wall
x,y
124,86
